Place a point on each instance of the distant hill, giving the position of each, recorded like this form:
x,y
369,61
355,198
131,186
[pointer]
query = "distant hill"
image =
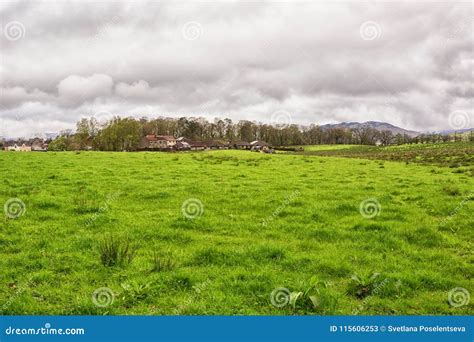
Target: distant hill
x,y
458,131
380,126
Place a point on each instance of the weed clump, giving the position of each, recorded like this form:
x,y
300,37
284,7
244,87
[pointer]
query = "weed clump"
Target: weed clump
x,y
115,252
161,264
363,286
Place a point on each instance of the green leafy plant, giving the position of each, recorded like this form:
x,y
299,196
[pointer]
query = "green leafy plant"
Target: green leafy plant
x,y
133,292
362,286
316,297
116,252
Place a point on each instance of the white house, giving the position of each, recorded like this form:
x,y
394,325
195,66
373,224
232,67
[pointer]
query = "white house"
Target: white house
x,y
18,148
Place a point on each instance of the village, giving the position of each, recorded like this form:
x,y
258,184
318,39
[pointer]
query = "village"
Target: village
x,y
32,145
152,142
170,143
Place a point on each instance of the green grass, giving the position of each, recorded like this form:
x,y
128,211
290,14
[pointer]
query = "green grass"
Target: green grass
x,y
454,155
266,221
328,147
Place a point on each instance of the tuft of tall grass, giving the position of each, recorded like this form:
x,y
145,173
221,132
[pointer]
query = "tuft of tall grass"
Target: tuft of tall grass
x,y
161,264
115,252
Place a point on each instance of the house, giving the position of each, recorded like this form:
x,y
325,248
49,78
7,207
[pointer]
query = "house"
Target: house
x,y
216,145
182,146
241,145
198,145
38,145
157,142
18,148
166,141
259,145
149,142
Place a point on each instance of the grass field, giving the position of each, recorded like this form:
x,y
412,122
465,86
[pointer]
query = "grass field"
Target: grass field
x,y
220,232
328,147
454,155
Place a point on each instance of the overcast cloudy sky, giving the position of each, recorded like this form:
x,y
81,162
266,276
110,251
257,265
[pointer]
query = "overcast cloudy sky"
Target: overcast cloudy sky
x,y
409,64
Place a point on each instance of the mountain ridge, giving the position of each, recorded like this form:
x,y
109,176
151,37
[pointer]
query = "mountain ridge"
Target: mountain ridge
x,y
378,125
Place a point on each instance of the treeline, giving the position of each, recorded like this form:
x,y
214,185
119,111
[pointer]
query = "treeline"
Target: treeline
x,y
125,134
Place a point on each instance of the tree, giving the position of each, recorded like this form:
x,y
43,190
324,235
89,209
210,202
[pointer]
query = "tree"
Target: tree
x,y
120,135
386,137
58,144
365,135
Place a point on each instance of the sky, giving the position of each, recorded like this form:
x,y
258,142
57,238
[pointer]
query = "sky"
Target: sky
x,y
406,63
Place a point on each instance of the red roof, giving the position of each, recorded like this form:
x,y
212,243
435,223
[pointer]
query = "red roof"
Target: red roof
x,y
165,137
151,137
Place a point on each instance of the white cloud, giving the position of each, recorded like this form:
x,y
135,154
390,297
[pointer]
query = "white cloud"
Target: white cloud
x,y
74,89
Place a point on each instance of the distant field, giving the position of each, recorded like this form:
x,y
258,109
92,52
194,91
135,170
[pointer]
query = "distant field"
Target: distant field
x,y
218,232
327,147
443,154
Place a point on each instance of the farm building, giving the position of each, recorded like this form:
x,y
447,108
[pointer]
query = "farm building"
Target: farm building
x,y
38,145
241,145
182,146
18,148
259,145
216,145
197,145
153,141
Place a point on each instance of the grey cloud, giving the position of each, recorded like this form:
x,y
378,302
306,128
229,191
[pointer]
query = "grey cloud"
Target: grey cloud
x,y
248,60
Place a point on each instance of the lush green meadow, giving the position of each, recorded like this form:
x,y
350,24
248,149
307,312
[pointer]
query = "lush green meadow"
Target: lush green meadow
x,y
329,147
266,222
453,155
